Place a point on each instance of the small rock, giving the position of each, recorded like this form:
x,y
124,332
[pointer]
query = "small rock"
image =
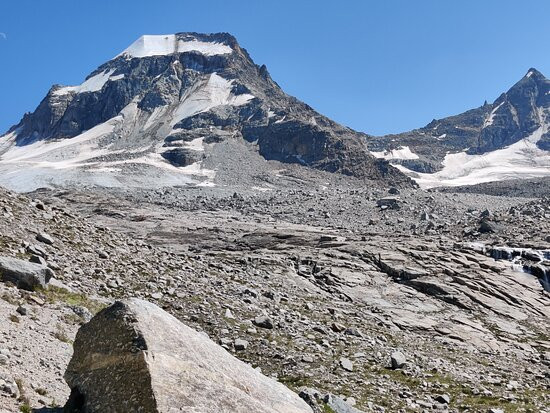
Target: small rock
x,y
352,331
443,398
307,359
263,322
45,238
24,274
103,255
346,364
398,360
3,360
22,310
37,259
240,344
337,327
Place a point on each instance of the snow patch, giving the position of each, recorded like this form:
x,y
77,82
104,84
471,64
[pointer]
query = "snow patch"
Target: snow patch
x,y
160,45
93,84
404,152
216,92
196,145
523,159
62,153
489,121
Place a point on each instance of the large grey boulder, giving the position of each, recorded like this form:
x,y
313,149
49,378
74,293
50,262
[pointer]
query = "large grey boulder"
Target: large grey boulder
x,y
135,357
24,274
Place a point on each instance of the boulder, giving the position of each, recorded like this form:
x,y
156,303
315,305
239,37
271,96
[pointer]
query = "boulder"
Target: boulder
x,y
263,322
45,238
338,405
24,274
397,360
486,226
391,202
135,357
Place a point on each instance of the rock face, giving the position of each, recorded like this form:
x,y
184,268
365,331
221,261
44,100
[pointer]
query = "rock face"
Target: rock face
x,y
24,274
163,104
135,357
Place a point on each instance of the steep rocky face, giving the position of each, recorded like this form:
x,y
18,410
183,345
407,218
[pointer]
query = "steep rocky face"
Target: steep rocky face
x,y
506,139
516,114
163,103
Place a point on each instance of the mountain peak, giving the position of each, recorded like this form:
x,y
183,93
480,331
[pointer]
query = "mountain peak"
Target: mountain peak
x,y
167,44
535,74
165,107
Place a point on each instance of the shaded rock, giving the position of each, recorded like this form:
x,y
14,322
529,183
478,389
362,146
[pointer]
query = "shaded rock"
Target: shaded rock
x,y
37,259
339,405
263,322
133,356
310,396
390,202
240,344
346,364
443,398
45,238
397,360
487,226
24,274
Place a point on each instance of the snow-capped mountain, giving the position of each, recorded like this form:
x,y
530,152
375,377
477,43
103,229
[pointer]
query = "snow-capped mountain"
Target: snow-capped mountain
x,y
153,115
507,139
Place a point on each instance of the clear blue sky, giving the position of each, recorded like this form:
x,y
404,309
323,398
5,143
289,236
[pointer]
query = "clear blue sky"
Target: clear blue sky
x,y
377,66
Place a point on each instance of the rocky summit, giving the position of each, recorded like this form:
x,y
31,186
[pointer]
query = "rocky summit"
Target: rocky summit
x,y
178,234
167,111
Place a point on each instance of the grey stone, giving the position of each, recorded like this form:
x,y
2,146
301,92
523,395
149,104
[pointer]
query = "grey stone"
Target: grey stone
x,y
22,310
37,259
339,405
397,360
443,398
346,364
240,344
24,274
263,322
45,238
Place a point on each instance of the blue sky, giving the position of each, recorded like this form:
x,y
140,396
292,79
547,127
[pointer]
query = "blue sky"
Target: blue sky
x,y
376,66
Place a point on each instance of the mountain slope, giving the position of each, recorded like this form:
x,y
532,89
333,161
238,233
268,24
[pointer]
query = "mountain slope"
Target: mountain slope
x,y
504,140
151,115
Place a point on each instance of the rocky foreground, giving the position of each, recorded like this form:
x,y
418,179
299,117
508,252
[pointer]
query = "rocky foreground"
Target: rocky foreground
x,y
356,298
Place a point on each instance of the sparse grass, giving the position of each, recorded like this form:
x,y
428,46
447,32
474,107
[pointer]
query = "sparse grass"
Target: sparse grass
x,y
25,408
327,409
295,382
73,318
60,295
61,335
41,391
9,299
13,318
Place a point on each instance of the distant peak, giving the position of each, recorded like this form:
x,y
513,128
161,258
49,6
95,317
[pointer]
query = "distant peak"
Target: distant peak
x,y
534,73
167,44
